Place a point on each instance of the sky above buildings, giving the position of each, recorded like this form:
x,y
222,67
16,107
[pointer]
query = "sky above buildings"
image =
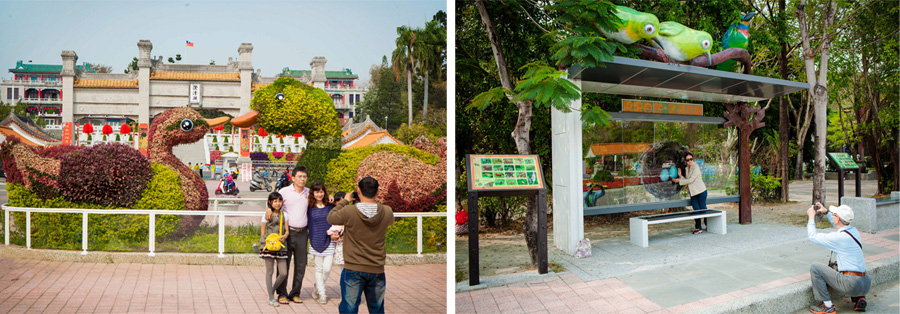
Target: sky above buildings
x,y
350,34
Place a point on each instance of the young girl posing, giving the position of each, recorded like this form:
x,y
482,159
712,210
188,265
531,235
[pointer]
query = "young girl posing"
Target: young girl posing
x,y
321,246
275,221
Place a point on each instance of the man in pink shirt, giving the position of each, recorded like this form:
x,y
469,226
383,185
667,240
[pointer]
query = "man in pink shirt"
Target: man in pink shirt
x,y
296,203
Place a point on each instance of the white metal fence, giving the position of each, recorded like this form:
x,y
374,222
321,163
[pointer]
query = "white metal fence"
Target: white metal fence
x,y
152,217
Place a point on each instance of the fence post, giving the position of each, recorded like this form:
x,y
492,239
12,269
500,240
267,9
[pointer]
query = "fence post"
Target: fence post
x,y
419,234
215,205
221,235
6,227
84,232
152,239
28,229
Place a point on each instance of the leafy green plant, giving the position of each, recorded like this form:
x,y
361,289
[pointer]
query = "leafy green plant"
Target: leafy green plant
x,y
765,188
603,176
318,154
342,170
401,236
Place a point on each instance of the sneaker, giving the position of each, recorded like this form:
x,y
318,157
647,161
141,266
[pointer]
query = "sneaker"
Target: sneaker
x,y
821,309
323,299
860,305
274,303
698,231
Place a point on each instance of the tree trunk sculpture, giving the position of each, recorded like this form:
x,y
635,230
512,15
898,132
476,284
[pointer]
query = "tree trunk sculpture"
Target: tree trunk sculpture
x,y
736,54
739,115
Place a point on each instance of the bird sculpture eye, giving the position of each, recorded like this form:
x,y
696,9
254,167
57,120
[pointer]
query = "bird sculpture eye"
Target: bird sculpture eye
x,y
187,125
705,44
649,29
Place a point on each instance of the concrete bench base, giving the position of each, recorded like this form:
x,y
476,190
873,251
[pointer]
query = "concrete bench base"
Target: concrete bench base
x,y
639,226
871,215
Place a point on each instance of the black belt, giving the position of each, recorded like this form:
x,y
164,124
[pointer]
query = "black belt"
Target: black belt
x,y
297,229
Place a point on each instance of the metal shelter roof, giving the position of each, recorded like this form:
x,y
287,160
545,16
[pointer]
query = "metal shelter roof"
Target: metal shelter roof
x,y
626,76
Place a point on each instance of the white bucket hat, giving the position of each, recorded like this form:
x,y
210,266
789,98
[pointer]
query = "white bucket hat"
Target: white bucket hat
x,y
844,211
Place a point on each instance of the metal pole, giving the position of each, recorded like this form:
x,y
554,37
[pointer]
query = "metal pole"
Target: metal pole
x,y
542,231
84,233
473,239
419,234
858,192
6,226
152,235
221,235
840,185
28,229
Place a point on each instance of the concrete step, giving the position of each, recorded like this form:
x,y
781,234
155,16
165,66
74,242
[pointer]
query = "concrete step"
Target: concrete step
x,y
799,296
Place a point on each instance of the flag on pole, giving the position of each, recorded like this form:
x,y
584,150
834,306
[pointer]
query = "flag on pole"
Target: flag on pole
x,y
189,43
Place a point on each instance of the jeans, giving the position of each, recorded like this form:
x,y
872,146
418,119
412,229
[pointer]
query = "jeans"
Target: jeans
x,y
698,202
354,283
297,245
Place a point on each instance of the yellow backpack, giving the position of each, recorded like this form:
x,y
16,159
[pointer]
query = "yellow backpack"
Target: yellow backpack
x,y
273,240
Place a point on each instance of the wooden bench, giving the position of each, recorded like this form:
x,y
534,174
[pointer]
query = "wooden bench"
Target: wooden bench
x,y
639,225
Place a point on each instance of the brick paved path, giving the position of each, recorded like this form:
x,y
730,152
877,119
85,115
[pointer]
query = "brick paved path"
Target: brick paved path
x,y
32,286
568,293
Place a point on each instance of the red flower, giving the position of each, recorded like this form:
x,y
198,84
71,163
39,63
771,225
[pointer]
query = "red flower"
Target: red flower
x,y
262,132
107,129
125,129
219,128
297,135
88,128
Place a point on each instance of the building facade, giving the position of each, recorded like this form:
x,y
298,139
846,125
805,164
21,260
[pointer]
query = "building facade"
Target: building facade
x,y
39,87
342,86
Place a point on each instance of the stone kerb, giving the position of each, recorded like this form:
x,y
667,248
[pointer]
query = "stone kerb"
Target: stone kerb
x,y
871,217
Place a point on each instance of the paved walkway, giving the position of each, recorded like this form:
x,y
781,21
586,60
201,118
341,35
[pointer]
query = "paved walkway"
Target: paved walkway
x,y
676,274
31,286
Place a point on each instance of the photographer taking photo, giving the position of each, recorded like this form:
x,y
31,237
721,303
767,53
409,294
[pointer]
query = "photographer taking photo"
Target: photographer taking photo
x,y
850,275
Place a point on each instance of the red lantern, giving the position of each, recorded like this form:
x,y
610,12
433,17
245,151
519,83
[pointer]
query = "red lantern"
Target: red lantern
x,y
125,129
88,128
219,128
107,129
297,135
262,132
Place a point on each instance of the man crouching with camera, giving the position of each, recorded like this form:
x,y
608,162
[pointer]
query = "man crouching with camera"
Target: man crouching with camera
x,y
849,276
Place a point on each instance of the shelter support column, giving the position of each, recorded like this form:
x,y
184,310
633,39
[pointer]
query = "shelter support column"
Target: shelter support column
x,y
568,210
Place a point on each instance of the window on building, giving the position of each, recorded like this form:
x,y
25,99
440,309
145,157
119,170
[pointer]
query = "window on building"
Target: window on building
x,y
357,97
15,93
351,99
9,93
34,78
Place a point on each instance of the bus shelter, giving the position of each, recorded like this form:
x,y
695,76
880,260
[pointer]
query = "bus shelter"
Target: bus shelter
x,y
642,78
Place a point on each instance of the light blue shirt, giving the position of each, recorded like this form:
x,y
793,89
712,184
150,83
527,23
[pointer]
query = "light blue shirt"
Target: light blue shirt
x,y
849,254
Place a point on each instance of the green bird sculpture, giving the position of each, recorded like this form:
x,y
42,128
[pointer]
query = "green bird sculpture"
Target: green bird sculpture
x,y
737,36
681,43
635,26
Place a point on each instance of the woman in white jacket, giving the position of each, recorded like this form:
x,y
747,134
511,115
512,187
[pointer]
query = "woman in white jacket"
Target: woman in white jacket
x,y
696,188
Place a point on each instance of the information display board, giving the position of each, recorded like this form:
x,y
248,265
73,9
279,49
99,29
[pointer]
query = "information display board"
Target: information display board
x,y
844,161
505,172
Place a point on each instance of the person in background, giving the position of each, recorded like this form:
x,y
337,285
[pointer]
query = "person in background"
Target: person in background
x,y
696,188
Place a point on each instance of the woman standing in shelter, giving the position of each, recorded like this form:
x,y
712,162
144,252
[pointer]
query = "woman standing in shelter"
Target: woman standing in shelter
x,y
696,188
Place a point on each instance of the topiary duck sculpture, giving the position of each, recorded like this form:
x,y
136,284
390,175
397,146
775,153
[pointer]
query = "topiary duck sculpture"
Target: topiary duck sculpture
x,y
113,174
288,106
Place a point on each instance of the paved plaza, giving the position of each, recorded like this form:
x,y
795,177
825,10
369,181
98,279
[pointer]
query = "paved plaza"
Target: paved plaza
x,y
33,286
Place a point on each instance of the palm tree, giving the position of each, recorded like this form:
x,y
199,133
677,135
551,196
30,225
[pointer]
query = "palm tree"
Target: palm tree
x,y
429,53
403,59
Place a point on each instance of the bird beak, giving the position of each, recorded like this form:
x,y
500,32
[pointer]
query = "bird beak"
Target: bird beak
x,y
216,122
656,40
708,58
245,121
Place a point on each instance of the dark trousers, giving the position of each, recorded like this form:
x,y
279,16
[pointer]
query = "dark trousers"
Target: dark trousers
x,y
297,246
698,202
354,284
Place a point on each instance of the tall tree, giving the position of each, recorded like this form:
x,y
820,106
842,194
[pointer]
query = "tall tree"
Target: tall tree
x,y
818,90
429,51
403,59
382,103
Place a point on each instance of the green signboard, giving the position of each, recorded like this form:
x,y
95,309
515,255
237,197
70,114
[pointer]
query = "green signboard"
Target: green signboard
x,y
505,172
844,161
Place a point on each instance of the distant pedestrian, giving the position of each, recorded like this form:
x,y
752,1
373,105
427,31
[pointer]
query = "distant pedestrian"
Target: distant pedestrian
x,y
850,277
275,221
365,226
696,188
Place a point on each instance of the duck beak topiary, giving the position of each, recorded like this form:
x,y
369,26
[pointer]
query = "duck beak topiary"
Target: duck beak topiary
x,y
217,121
245,121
